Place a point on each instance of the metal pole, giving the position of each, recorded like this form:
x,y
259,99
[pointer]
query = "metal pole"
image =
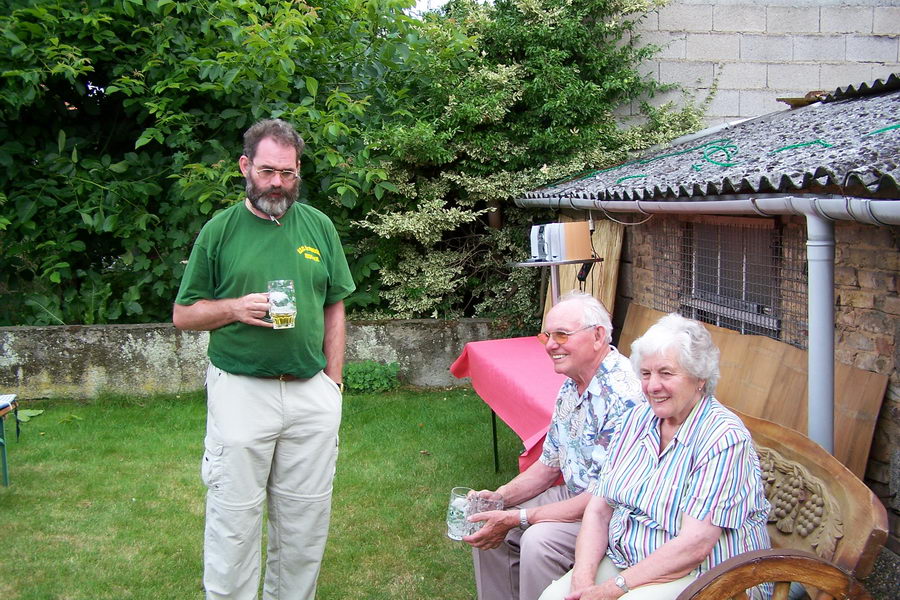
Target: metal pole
x,y
554,284
820,386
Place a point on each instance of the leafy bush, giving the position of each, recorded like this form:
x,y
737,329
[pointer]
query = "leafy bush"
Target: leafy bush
x,y
371,376
121,124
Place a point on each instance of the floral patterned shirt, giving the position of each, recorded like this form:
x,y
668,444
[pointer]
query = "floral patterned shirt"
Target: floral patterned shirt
x,y
582,426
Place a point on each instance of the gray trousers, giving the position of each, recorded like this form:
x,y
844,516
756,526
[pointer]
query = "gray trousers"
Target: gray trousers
x,y
527,561
270,443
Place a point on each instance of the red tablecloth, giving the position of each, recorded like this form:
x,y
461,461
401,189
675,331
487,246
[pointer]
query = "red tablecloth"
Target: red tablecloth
x,y
515,377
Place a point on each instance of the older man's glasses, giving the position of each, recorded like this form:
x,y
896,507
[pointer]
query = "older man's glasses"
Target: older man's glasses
x,y
560,337
285,174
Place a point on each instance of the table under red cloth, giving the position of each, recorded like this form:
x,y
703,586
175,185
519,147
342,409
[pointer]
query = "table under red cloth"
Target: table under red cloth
x,y
515,377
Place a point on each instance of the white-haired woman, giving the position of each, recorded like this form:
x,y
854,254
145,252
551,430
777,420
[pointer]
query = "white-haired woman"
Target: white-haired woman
x,y
682,489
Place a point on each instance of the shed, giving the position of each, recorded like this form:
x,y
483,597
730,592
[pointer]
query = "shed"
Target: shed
x,y
738,226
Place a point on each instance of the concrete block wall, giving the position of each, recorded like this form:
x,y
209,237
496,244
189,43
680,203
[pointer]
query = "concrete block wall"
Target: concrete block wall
x,y
755,52
82,361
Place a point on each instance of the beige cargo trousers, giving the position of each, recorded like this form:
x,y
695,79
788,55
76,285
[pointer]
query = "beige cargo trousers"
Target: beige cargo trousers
x,y
273,442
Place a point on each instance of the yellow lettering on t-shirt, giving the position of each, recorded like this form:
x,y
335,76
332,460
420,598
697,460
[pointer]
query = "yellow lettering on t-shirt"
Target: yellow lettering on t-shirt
x,y
309,252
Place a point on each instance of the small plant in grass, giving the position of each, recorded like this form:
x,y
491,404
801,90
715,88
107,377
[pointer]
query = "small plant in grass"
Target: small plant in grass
x,y
371,376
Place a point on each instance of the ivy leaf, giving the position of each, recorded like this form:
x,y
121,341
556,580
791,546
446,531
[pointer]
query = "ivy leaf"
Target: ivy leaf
x,y
229,77
312,86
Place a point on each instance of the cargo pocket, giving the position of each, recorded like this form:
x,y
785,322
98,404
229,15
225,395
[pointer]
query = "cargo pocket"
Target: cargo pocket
x,y
211,467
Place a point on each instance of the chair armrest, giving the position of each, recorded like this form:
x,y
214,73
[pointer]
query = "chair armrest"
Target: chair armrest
x,y
732,577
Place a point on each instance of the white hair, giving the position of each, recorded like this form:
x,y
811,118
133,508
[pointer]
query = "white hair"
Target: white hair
x,y
696,352
592,311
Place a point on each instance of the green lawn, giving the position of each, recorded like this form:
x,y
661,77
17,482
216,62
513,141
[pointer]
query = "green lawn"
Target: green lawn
x,y
106,500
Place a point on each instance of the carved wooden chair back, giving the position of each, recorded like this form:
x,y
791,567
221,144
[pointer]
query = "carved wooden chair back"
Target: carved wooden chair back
x,y
826,526
818,505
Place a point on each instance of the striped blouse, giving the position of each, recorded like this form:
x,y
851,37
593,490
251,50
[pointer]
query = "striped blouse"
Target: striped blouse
x,y
710,466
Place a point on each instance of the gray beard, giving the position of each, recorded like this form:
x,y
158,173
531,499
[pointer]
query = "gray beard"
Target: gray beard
x,y
262,200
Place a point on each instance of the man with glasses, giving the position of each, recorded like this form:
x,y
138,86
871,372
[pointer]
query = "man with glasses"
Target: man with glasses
x,y
274,395
520,550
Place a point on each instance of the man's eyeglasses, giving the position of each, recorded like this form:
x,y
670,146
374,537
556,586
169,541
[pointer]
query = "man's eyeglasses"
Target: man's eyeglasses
x,y
285,174
560,337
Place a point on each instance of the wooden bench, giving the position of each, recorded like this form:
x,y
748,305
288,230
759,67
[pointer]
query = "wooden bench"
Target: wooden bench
x,y
826,526
7,403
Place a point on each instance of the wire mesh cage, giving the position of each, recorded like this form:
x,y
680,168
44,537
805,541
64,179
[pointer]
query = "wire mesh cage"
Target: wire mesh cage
x,y
744,274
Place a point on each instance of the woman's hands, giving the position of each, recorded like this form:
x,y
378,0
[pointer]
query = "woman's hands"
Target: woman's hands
x,y
607,590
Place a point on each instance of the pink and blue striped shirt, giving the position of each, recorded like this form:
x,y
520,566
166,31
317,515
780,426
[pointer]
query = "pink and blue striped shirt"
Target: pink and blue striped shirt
x,y
709,467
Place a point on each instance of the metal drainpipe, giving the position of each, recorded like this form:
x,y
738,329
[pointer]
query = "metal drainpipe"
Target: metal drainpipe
x,y
820,384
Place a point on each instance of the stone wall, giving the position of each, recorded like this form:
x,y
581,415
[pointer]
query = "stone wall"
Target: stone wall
x,y
867,336
867,328
755,52
84,361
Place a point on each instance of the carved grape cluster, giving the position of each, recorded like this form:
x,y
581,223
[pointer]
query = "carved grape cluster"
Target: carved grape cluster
x,y
800,503
788,494
767,466
810,515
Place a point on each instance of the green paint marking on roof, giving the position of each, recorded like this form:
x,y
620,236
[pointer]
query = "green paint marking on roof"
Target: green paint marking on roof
x,y
644,161
723,144
883,129
621,179
728,149
822,143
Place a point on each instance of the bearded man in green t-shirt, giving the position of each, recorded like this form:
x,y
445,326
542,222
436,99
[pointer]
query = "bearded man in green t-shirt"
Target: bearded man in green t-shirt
x,y
274,395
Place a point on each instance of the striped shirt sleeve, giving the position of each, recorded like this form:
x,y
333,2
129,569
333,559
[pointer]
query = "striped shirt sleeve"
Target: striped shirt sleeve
x,y
718,484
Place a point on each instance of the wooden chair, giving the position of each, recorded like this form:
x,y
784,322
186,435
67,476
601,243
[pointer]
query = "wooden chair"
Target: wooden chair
x,y
826,526
732,578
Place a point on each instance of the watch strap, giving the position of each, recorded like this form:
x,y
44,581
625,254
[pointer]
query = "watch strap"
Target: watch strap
x,y
620,582
523,519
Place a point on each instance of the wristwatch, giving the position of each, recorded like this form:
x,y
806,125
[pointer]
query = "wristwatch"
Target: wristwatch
x,y
620,583
523,519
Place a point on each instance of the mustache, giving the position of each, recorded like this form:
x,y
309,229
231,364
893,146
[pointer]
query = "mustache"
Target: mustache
x,y
271,200
273,191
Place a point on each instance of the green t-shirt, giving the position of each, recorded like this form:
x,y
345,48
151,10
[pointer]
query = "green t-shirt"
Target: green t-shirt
x,y
238,253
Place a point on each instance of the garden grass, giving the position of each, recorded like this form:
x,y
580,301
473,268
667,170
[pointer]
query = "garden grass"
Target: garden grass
x,y
106,501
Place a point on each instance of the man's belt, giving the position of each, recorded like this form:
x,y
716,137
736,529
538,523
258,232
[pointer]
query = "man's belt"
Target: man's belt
x,y
282,377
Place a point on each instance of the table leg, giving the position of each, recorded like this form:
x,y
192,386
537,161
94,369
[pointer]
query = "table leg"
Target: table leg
x,y
494,437
554,284
3,465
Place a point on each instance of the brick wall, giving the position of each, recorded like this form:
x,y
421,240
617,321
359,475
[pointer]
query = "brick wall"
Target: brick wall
x,y
867,336
757,52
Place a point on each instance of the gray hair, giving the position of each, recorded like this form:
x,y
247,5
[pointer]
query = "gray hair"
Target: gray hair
x,y
696,352
280,131
592,311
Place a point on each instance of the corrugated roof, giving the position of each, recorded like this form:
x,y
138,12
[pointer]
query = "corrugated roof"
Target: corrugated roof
x,y
847,144
879,86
